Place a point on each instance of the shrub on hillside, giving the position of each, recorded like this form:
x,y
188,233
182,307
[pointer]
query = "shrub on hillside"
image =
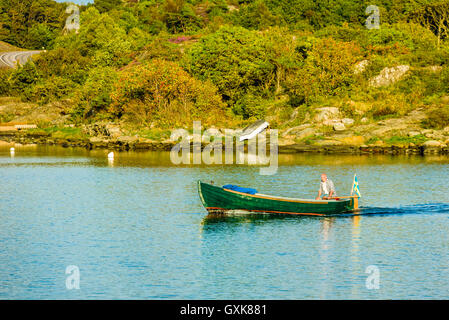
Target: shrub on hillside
x,y
437,118
161,91
327,70
5,82
234,59
101,37
95,95
62,62
22,80
51,89
256,15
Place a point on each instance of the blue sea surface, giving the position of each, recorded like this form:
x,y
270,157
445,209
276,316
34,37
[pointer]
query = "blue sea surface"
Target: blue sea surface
x,y
135,229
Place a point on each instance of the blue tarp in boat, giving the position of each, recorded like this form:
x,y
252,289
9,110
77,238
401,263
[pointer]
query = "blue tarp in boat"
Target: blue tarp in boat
x,y
240,189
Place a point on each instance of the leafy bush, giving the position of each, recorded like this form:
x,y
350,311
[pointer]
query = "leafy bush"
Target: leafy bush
x,y
389,104
5,82
437,118
94,96
62,62
327,71
100,37
161,48
179,16
256,15
51,89
251,106
163,92
40,35
22,80
234,59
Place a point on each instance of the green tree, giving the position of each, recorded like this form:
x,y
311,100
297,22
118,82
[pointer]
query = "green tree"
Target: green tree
x,y
63,62
19,17
256,15
100,37
179,16
94,96
161,91
327,70
39,36
23,79
107,5
234,59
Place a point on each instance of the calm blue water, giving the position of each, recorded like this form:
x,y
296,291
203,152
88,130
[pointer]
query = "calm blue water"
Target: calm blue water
x,y
135,228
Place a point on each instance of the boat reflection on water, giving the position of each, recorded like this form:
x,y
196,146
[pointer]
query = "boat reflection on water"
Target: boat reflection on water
x,y
325,246
355,254
213,219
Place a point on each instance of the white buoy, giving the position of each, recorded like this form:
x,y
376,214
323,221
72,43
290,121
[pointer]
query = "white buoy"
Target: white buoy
x,y
111,159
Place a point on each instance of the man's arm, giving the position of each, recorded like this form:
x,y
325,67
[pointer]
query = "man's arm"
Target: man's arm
x,y
332,189
319,194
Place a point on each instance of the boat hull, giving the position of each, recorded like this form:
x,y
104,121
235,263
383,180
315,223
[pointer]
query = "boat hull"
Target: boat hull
x,y
217,200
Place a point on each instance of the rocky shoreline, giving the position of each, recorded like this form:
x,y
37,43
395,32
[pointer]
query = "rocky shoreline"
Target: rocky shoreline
x,y
128,143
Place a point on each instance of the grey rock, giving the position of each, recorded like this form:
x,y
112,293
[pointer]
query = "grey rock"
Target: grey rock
x,y
327,113
339,126
296,130
433,144
413,133
113,131
347,121
127,139
389,76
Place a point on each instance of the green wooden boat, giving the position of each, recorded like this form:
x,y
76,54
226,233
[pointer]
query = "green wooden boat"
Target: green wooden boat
x,y
217,200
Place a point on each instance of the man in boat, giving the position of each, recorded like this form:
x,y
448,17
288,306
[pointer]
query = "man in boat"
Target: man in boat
x,y
327,189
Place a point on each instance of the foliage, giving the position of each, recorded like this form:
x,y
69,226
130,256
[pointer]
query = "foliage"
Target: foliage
x,y
179,16
327,70
5,84
23,79
437,118
405,140
62,62
256,15
100,37
163,92
106,5
234,59
263,58
30,23
53,88
94,96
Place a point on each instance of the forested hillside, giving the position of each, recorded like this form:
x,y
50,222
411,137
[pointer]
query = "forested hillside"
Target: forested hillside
x,y
165,63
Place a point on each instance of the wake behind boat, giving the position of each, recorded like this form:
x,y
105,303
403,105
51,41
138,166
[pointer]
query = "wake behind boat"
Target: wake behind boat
x,y
220,200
